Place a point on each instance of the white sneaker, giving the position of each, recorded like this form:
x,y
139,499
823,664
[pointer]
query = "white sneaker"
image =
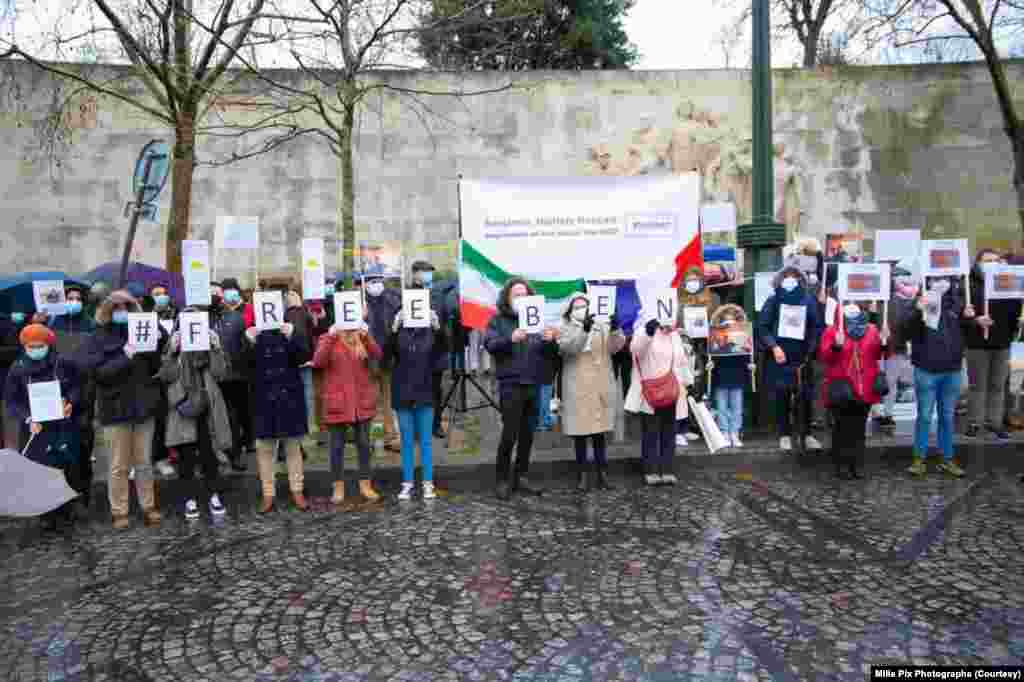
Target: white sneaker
x,y
785,443
216,507
191,510
736,442
131,474
223,458
669,479
406,493
652,479
428,490
164,469
681,441
690,435
812,443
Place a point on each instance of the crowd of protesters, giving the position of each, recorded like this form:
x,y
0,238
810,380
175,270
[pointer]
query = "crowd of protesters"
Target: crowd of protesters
x,y
168,411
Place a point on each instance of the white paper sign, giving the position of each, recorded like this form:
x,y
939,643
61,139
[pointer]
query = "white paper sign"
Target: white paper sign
x,y
195,331
932,310
602,302
313,274
143,331
695,321
792,322
168,325
944,257
195,258
348,309
662,305
764,287
864,281
415,308
531,313
1006,281
239,232
49,297
897,245
268,308
718,218
45,401
830,311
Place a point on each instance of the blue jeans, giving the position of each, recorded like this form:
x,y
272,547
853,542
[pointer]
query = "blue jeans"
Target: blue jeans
x,y
729,406
544,418
415,424
935,391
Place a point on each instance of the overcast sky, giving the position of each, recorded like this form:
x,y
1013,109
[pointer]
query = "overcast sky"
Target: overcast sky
x,y
677,34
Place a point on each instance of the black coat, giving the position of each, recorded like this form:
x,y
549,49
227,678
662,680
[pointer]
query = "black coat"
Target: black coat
x,y
302,321
797,352
440,303
381,311
10,347
127,391
58,443
938,350
230,327
412,357
1005,314
528,363
278,398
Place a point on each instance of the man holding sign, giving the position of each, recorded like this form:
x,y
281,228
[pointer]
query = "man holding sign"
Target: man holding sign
x,y
997,299
521,347
42,392
382,305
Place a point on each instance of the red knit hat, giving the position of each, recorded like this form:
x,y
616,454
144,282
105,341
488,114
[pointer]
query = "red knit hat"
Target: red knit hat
x,y
34,334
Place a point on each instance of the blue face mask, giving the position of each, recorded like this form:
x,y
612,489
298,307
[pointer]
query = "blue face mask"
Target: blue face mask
x,y
120,317
232,296
74,307
37,353
426,278
17,318
162,301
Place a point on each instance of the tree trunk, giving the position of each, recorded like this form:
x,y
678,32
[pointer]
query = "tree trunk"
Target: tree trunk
x,y
181,189
1018,179
348,193
811,49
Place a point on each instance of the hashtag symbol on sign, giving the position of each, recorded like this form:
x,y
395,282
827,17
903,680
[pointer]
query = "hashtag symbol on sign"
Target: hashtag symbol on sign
x,y
142,332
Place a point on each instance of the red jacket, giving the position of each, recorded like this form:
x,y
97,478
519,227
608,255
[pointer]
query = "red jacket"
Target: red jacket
x,y
856,362
347,393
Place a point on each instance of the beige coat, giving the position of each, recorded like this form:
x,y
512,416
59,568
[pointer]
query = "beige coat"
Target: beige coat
x,y
652,356
590,397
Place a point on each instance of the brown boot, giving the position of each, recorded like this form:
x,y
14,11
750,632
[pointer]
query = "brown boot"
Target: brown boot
x,y
367,491
300,501
268,505
121,522
339,492
152,518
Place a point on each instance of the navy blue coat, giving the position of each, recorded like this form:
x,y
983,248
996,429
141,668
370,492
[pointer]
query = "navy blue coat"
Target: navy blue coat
x,y
528,363
73,324
230,327
381,311
938,350
797,352
412,356
730,371
58,443
278,398
10,347
126,390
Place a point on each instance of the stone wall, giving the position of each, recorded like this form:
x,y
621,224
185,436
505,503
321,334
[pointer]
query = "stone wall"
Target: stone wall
x,y
858,148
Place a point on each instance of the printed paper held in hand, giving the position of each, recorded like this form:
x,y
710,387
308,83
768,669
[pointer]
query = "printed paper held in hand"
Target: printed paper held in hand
x,y
932,311
792,322
602,302
49,297
45,401
1005,282
763,288
313,271
830,311
348,310
531,314
415,308
195,332
695,321
268,307
143,331
195,257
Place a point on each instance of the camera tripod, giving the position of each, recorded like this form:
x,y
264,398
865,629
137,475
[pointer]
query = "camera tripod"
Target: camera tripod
x,y
453,408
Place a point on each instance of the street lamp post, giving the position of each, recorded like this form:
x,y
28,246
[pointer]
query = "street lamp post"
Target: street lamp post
x,y
762,238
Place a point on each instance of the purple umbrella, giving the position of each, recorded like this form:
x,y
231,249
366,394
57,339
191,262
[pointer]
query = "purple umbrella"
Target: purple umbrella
x,y
146,275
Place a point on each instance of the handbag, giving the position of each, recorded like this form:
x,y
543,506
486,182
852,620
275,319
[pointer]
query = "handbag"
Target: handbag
x,y
662,391
194,405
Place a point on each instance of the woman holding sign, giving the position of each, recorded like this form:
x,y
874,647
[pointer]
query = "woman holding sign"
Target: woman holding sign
x,y
589,391
52,427
988,342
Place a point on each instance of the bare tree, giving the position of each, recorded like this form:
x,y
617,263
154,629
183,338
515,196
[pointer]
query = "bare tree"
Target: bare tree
x,y
936,29
347,50
180,51
818,26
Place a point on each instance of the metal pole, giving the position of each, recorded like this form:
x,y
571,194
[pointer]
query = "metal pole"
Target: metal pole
x,y
140,194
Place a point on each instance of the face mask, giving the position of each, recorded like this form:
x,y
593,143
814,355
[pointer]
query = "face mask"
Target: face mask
x,y
74,307
17,318
579,314
162,301
692,286
232,297
851,311
812,279
37,353
789,283
375,288
120,317
989,267
426,278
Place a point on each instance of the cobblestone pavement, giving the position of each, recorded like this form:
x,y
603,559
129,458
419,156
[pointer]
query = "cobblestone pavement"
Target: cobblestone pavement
x,y
749,575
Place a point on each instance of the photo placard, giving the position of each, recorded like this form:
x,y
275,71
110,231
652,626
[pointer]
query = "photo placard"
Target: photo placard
x,y
1005,282
944,257
792,322
736,339
45,401
695,321
49,297
864,281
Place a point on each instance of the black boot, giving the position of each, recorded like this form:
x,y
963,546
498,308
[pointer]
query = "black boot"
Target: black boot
x,y
502,490
522,485
602,478
582,479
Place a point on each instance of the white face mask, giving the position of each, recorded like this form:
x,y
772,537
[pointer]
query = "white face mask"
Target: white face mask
x,y
940,287
375,288
579,314
692,286
789,283
851,311
989,267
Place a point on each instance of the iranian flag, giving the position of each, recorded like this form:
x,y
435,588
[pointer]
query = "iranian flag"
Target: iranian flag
x,y
481,280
